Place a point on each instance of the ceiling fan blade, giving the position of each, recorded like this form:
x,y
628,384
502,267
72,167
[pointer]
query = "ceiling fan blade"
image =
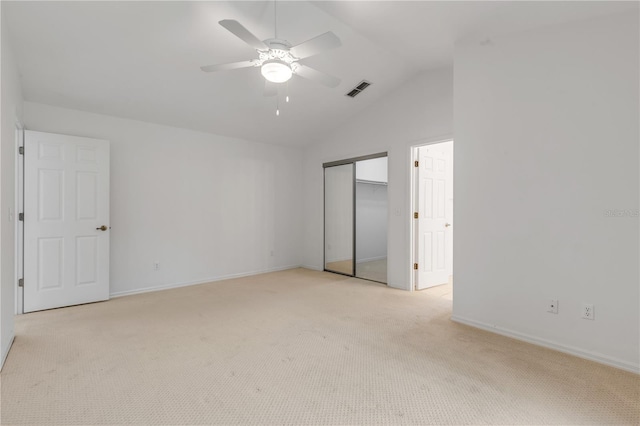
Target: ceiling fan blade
x,y
241,32
270,88
225,67
317,76
316,45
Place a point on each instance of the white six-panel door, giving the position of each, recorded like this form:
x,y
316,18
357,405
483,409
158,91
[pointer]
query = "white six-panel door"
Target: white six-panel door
x,y
435,210
66,196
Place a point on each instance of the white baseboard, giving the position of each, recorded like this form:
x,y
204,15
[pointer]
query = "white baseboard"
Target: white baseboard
x,y
342,259
313,268
5,352
370,259
580,353
204,281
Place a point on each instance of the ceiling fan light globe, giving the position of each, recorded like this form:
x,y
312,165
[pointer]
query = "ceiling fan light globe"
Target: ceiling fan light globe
x,y
276,71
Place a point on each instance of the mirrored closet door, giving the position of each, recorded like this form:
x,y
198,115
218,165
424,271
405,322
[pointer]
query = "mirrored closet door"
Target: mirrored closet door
x,y
338,219
371,219
356,217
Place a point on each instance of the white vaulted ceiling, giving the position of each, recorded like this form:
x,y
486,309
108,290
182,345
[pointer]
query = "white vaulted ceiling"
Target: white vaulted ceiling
x,y
141,60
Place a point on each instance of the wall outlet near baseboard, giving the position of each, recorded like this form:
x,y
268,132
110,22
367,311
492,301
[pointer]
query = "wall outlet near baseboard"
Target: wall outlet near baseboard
x,y
552,306
588,311
156,265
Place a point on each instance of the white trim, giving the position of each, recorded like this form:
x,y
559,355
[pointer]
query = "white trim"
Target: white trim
x,y
18,226
395,287
204,281
370,259
344,259
5,354
413,196
313,268
571,350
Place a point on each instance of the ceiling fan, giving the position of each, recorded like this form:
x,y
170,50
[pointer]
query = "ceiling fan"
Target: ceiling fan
x,y
278,59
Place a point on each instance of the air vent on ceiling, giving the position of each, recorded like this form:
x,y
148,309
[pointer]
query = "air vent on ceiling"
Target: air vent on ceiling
x,y
359,88
363,85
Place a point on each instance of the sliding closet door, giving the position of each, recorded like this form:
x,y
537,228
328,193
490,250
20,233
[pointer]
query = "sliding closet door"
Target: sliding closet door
x,y
371,219
338,219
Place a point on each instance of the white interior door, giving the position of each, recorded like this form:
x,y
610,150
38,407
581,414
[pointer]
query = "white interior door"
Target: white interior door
x,y
435,213
66,250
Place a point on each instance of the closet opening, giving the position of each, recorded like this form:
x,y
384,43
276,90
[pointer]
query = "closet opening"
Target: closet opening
x,y
356,217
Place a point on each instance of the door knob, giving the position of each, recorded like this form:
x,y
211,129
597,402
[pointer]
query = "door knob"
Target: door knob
x,y
446,225
102,228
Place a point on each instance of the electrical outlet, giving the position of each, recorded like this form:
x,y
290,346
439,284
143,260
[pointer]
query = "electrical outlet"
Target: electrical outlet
x,y
272,253
552,306
588,311
156,265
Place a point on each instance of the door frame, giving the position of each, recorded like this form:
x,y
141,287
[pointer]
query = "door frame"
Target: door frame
x,y
413,191
18,224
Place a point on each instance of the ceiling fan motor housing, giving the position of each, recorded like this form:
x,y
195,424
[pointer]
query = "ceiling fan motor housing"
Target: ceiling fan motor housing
x,y
277,64
277,43
278,50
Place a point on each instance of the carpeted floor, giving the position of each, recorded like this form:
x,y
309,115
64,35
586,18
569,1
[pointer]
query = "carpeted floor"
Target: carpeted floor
x,y
296,347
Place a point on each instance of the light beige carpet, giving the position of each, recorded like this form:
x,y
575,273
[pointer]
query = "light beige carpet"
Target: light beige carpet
x,y
295,347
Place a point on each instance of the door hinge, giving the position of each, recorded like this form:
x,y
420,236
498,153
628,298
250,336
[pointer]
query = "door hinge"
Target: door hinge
x,y
415,215
415,266
21,217
21,150
21,282
416,163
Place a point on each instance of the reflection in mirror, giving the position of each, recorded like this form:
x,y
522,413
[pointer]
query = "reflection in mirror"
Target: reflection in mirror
x,y
338,214
371,219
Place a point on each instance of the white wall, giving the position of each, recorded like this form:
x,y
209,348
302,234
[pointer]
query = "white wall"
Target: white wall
x,y
420,110
546,140
11,110
375,169
205,206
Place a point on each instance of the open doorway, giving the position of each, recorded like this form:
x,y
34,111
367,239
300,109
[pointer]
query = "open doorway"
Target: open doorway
x,y
432,224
